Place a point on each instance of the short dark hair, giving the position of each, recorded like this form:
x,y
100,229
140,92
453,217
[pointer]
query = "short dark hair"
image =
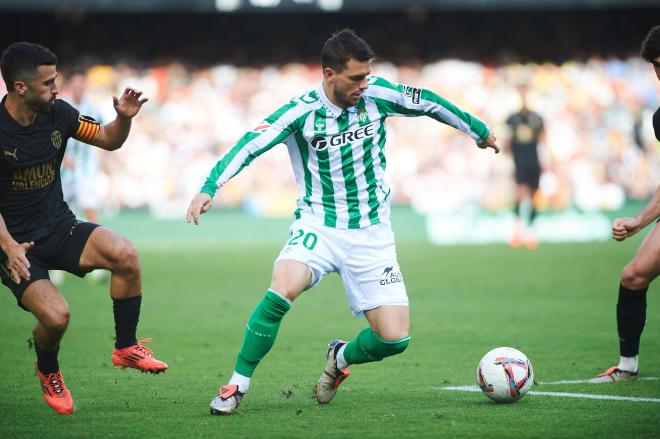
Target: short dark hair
x,y
342,46
20,61
651,45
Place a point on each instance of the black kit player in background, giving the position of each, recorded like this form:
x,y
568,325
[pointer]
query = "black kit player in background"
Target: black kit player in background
x,y
38,232
526,129
645,266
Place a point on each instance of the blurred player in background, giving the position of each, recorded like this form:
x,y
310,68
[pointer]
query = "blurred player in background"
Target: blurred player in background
x,y
526,129
336,137
645,266
80,167
38,232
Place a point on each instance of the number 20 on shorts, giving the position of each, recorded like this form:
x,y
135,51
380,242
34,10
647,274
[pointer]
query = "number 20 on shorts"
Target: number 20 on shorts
x,y
308,239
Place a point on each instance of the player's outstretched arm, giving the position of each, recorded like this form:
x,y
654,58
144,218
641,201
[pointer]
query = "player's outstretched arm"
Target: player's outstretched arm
x,y
490,143
201,203
406,100
16,262
113,135
626,227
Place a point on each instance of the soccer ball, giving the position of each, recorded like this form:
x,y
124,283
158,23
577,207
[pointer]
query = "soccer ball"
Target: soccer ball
x,y
505,374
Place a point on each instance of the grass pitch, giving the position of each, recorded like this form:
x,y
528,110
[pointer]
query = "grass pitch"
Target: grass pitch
x,y
556,304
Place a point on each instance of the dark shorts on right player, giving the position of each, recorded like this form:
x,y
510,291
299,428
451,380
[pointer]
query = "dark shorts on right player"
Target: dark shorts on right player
x,y
529,176
60,250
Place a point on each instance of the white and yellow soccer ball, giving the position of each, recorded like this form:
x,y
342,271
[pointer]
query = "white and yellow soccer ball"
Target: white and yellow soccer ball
x,y
505,374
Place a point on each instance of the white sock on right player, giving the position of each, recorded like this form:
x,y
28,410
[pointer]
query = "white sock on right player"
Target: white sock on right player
x,y
629,364
341,361
241,381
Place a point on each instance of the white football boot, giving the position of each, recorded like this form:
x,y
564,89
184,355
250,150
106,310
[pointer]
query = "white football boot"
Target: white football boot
x,y
227,400
332,376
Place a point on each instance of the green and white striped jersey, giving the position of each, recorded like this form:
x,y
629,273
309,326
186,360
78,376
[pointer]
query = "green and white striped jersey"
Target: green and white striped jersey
x,y
338,156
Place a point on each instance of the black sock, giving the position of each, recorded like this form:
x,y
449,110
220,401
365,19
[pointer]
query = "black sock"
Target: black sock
x,y
127,314
47,360
532,214
630,319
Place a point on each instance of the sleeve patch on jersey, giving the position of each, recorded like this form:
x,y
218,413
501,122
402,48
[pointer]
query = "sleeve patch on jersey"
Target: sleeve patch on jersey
x,y
413,93
88,129
261,127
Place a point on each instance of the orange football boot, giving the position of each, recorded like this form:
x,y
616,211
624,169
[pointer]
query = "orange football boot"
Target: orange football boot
x,y
614,374
531,241
138,357
56,394
516,238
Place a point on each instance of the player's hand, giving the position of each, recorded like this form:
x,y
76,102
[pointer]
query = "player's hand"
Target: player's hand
x,y
623,228
489,143
129,103
200,204
17,263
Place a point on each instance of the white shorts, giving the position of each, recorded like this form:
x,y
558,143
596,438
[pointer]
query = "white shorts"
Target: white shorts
x,y
364,258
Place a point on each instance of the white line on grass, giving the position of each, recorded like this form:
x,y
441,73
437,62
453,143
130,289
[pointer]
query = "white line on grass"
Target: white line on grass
x,y
544,383
560,394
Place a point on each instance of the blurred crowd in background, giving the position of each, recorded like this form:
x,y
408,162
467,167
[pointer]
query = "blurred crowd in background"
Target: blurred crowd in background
x,y
598,149
212,76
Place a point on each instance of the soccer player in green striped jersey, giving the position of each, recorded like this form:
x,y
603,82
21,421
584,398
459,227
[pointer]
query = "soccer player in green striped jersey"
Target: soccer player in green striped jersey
x,y
336,137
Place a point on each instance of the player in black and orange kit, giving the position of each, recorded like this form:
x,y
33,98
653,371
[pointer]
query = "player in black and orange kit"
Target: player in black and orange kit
x,y
38,232
645,266
526,129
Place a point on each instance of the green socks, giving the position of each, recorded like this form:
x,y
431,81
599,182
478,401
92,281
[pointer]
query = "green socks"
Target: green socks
x,y
264,322
368,347
260,332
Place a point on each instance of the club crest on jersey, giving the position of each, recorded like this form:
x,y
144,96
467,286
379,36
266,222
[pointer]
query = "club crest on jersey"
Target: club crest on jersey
x,y
261,127
56,139
319,143
362,116
413,93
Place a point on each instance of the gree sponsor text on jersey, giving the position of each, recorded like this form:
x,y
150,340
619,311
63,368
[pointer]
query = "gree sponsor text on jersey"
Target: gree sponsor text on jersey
x,y
320,143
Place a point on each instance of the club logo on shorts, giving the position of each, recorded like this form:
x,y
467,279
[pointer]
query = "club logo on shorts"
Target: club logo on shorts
x,y
56,139
390,276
